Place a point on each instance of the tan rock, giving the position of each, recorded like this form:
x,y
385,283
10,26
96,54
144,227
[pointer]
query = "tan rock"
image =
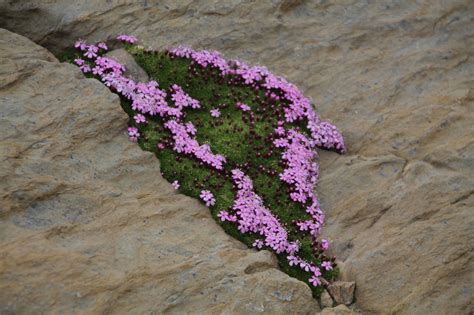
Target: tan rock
x,y
338,310
133,70
396,77
88,225
326,300
342,292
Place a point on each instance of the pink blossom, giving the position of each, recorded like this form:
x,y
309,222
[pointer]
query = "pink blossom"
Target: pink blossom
x,y
127,38
139,118
280,131
133,134
91,52
190,128
102,46
79,61
85,68
315,281
258,244
175,184
293,260
207,197
242,107
215,112
326,265
225,216
80,44
325,244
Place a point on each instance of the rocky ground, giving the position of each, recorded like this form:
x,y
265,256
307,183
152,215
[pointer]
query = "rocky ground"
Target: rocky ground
x,y
87,224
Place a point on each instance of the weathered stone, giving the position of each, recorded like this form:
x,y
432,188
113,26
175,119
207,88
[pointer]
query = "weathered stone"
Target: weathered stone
x,y
326,300
133,70
342,292
338,310
396,77
88,225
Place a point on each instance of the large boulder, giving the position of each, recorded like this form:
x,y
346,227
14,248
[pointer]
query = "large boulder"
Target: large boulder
x,y
87,223
395,77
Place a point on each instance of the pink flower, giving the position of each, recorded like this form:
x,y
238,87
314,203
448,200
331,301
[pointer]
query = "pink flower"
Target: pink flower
x,y
293,260
175,184
139,118
258,244
79,61
326,265
225,216
280,143
190,128
215,113
127,38
242,107
91,52
325,244
133,134
102,46
207,197
80,44
85,68
160,146
280,131
315,281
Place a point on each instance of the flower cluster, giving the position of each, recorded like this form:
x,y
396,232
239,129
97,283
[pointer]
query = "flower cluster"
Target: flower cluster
x,y
253,217
298,106
90,51
149,99
185,143
181,99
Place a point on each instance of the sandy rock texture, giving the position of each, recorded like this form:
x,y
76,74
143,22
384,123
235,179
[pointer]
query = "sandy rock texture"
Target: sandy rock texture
x,y
88,225
395,76
338,310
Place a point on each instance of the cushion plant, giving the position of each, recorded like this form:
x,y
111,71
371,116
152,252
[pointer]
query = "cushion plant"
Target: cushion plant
x,y
237,137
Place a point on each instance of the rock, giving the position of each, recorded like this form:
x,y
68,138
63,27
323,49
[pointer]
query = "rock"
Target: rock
x,y
326,300
133,70
395,77
338,310
88,225
342,292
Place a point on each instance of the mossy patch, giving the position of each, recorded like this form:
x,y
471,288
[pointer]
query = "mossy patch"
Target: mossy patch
x,y
242,139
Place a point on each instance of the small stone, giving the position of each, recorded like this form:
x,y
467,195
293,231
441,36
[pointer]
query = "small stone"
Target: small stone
x,y
326,300
342,292
133,70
